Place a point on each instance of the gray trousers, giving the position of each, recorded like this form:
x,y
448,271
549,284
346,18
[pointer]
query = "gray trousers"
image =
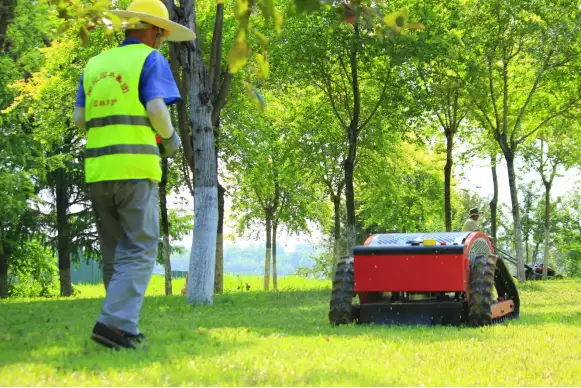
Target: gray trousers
x,y
128,227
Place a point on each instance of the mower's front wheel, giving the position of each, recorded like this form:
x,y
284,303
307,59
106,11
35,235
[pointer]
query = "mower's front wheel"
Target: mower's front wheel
x,y
481,290
341,306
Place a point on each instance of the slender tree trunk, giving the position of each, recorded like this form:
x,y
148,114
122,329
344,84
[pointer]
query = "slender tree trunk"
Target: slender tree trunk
x,y
494,200
350,201
3,274
516,216
448,178
547,228
336,230
274,274
63,238
176,54
203,257
6,16
219,275
215,71
267,252
535,254
166,249
353,133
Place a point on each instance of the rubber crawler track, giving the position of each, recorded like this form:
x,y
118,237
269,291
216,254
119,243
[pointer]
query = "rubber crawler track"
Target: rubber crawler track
x,y
482,271
341,308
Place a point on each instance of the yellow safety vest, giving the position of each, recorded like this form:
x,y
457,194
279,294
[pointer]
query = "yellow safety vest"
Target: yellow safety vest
x,y
120,139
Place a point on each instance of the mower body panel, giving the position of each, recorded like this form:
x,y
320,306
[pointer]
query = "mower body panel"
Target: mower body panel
x,y
404,263
430,270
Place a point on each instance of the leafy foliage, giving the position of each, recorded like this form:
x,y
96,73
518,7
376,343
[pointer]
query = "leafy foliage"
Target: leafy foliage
x,y
34,272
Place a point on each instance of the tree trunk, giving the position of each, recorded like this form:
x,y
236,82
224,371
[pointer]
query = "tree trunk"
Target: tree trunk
x,y
547,228
353,132
448,178
509,156
203,257
494,200
177,52
274,274
3,275
219,275
535,254
166,253
350,201
267,252
6,16
63,238
336,230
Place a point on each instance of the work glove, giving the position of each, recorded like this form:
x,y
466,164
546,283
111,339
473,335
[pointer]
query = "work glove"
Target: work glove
x,y
168,147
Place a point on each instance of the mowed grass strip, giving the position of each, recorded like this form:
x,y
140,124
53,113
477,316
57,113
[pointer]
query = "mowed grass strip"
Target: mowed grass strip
x,y
257,338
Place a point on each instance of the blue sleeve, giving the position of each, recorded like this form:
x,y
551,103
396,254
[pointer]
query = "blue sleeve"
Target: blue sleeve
x,y
80,102
157,80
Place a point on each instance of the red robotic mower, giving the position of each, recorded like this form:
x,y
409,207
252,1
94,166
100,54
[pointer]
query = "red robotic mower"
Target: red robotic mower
x,y
429,279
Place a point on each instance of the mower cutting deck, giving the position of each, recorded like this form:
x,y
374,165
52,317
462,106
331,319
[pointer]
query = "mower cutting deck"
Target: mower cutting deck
x,y
441,278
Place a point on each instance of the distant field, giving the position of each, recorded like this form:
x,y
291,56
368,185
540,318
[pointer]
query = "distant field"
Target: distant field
x,y
283,338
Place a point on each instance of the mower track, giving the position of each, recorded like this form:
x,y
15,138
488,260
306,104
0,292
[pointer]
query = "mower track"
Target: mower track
x,y
482,271
341,306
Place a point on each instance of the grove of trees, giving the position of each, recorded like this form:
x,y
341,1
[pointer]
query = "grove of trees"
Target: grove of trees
x,y
343,118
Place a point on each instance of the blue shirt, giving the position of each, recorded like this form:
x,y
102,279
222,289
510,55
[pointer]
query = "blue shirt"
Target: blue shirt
x,y
156,80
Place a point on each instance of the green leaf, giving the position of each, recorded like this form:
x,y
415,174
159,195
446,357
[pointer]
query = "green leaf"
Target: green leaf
x,y
277,22
84,34
397,19
263,66
262,40
238,56
255,96
307,6
241,9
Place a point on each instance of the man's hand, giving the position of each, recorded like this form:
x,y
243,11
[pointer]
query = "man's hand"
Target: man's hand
x,y
168,147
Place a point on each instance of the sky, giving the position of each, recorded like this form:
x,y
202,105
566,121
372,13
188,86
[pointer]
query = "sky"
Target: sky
x,y
478,177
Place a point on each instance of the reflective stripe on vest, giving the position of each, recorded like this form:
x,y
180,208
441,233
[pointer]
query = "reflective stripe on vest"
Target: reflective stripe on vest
x,y
121,149
119,119
120,139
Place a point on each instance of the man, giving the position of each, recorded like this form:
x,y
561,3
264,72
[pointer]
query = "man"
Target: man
x,y
471,223
122,102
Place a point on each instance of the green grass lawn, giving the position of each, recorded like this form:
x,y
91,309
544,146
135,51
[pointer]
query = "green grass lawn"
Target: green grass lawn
x,y
284,339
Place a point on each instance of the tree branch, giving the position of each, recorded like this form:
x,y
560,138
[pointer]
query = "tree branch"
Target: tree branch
x,y
347,101
329,92
216,50
493,96
548,119
379,101
530,96
220,100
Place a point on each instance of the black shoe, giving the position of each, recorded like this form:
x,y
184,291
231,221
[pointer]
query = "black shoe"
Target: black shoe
x,y
114,338
139,338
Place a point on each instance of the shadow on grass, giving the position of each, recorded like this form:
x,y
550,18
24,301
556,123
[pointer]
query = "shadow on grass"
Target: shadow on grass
x,y
57,333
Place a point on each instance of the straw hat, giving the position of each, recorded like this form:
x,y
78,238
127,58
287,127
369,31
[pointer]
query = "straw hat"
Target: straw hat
x,y
474,212
155,12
